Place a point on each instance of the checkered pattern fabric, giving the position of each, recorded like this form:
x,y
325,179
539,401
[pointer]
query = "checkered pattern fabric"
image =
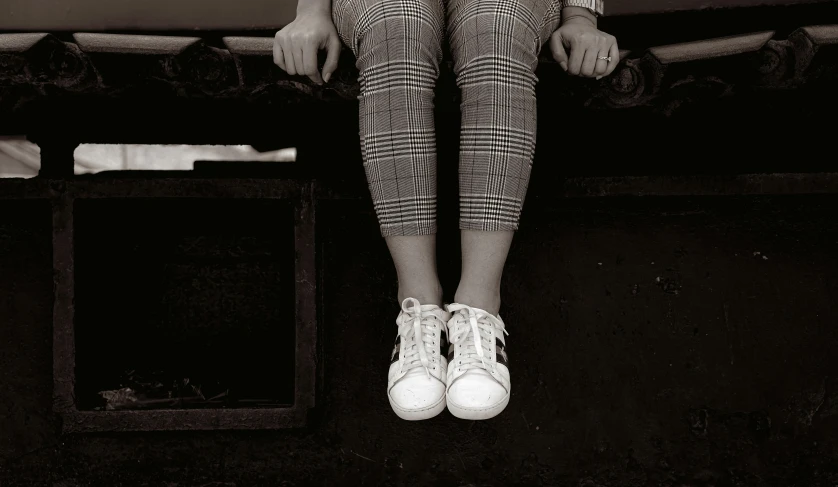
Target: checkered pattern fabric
x,y
495,46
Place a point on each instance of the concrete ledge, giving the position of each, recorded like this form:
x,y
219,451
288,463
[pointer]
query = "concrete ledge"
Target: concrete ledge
x,y
115,64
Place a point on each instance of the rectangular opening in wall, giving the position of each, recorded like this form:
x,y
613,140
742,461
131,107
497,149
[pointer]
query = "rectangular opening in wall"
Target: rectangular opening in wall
x,y
184,303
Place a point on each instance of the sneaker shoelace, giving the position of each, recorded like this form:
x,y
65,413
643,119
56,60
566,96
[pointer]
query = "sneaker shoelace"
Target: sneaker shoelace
x,y
467,327
422,324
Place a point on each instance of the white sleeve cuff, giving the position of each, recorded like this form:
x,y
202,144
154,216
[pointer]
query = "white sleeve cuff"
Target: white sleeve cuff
x,y
597,6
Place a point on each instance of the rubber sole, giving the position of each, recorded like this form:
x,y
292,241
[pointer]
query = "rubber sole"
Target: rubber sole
x,y
477,414
418,414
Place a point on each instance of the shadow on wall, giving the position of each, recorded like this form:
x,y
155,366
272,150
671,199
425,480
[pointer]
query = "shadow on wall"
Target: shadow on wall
x,y
22,159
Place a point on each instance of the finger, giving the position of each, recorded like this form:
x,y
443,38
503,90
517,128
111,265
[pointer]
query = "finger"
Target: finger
x,y
615,59
309,54
279,57
577,55
589,62
299,65
559,54
601,64
333,55
289,59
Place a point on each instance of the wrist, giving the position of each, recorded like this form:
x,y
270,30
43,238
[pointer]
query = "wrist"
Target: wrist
x,y
571,15
307,7
579,19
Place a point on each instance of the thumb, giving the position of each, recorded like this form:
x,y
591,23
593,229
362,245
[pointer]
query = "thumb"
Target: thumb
x,y
557,46
333,49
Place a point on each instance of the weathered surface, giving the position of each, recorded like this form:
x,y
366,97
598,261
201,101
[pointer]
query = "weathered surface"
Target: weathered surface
x,y
45,81
660,341
252,14
666,342
77,365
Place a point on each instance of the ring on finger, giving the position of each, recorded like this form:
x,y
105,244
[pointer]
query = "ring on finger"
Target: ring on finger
x,y
602,62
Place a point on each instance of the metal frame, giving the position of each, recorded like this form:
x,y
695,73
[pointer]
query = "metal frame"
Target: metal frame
x,y
64,193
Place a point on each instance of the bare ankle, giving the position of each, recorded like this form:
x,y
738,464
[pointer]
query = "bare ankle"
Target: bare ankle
x,y
423,294
486,300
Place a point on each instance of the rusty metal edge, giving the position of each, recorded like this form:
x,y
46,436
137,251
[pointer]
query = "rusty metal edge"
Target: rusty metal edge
x,y
63,312
305,270
75,421
24,189
186,188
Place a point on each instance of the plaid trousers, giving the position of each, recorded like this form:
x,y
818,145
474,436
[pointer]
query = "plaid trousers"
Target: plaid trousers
x,y
494,45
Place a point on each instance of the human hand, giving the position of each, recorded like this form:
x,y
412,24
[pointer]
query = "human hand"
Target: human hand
x,y
297,44
588,46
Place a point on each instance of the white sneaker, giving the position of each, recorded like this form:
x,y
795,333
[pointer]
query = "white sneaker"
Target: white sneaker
x,y
478,376
416,380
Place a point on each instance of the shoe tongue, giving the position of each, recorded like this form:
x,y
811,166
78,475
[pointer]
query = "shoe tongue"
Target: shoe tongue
x,y
439,313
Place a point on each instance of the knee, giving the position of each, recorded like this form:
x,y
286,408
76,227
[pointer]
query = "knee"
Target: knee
x,y
498,35
399,33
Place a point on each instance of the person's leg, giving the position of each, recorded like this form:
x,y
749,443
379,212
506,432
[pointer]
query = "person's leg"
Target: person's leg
x,y
484,255
398,46
495,45
415,259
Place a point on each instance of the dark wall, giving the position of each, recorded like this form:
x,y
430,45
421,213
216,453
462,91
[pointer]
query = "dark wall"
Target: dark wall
x,y
25,326
653,341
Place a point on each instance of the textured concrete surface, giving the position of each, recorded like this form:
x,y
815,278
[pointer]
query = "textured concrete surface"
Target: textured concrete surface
x,y
19,42
653,341
711,48
133,44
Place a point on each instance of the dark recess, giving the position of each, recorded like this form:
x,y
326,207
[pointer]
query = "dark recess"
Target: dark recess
x,y
177,289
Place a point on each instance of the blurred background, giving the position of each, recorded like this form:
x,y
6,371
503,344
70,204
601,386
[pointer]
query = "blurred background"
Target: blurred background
x,y
20,158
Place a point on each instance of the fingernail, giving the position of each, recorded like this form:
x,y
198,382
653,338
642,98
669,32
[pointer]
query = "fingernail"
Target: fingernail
x,y
563,65
326,78
599,77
